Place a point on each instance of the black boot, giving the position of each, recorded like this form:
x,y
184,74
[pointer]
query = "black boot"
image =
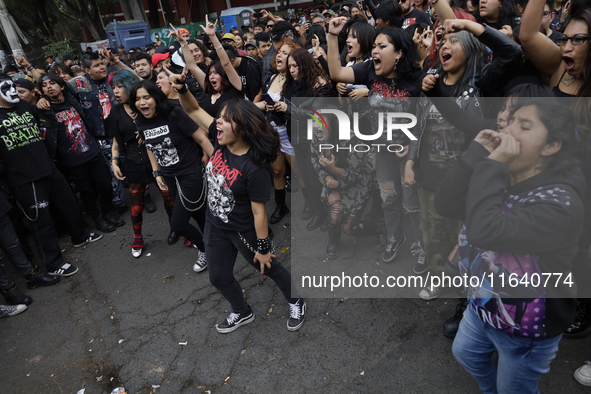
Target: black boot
x,y
37,279
149,205
172,238
14,297
582,325
103,226
334,239
308,211
112,218
451,325
278,214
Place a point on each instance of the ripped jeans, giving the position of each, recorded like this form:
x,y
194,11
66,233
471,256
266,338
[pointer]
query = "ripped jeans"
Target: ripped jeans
x,y
411,205
389,178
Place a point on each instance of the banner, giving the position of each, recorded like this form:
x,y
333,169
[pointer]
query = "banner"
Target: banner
x,y
163,32
95,45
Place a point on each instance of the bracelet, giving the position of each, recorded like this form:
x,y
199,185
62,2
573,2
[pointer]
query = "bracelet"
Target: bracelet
x,y
157,173
118,160
334,34
263,245
183,90
30,67
220,47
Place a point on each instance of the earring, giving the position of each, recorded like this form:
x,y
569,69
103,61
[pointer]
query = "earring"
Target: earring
x,y
396,64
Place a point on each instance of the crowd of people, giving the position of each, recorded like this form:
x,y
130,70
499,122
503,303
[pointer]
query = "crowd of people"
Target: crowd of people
x,y
218,121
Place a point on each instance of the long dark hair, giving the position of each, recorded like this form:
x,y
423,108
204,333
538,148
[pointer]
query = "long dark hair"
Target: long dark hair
x,y
585,88
217,66
308,72
316,30
366,35
253,128
408,66
163,105
507,14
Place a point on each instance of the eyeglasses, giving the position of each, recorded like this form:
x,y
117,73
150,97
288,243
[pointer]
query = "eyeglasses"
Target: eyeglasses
x,y
271,25
545,14
576,40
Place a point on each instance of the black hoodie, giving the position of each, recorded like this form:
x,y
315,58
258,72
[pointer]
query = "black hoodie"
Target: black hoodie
x,y
523,231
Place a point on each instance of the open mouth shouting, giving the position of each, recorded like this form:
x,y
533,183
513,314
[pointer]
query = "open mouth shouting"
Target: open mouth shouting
x,y
569,63
445,57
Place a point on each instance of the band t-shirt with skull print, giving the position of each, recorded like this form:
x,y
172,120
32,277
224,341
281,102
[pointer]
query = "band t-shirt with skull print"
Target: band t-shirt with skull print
x,y
233,182
171,142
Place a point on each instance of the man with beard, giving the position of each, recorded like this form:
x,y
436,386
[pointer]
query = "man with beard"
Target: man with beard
x,y
143,66
35,181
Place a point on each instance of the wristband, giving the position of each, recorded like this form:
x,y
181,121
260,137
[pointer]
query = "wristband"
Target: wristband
x,y
334,34
220,47
30,67
118,160
183,90
157,173
263,245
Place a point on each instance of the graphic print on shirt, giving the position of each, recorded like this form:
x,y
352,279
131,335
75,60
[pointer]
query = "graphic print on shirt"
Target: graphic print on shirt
x,y
75,130
105,104
220,178
20,130
518,309
165,152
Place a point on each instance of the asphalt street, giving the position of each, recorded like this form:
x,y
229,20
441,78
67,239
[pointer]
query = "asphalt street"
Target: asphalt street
x,y
148,324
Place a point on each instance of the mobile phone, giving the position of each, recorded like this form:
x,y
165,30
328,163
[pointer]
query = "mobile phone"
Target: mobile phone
x,y
303,20
257,15
268,99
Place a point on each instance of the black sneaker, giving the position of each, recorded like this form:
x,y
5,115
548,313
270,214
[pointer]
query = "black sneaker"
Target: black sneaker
x,y
421,265
66,269
93,237
234,321
297,315
11,310
392,250
381,243
582,325
201,263
103,226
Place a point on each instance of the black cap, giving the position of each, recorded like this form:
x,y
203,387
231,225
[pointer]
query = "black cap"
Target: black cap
x,y
24,83
279,29
67,57
162,49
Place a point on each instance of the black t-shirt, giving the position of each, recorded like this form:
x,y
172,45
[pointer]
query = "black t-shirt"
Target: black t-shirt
x,y
23,155
75,145
417,16
235,181
214,109
241,71
388,95
171,142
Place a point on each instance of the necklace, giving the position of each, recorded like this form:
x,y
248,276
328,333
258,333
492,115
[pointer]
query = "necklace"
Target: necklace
x,y
1,106
58,102
280,79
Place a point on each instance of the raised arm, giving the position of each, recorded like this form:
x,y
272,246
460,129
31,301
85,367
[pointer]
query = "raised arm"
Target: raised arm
x,y
189,61
443,10
24,63
233,76
544,53
338,73
190,105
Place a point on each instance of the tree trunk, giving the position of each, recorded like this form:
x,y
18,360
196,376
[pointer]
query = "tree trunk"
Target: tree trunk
x,y
61,18
137,11
154,17
170,17
126,8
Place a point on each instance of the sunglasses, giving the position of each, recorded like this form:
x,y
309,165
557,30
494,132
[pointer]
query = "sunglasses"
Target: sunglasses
x,y
268,26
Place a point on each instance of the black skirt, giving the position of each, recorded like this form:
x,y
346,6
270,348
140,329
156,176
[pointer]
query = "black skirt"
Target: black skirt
x,y
137,173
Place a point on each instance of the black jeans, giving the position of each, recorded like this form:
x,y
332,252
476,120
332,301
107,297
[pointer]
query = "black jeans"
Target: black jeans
x,y
221,248
191,186
12,248
53,189
90,179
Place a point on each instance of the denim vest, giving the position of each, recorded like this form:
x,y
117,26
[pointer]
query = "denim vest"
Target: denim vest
x,y
87,92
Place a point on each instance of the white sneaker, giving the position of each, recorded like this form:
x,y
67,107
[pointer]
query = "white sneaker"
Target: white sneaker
x,y
201,263
583,374
136,252
430,293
